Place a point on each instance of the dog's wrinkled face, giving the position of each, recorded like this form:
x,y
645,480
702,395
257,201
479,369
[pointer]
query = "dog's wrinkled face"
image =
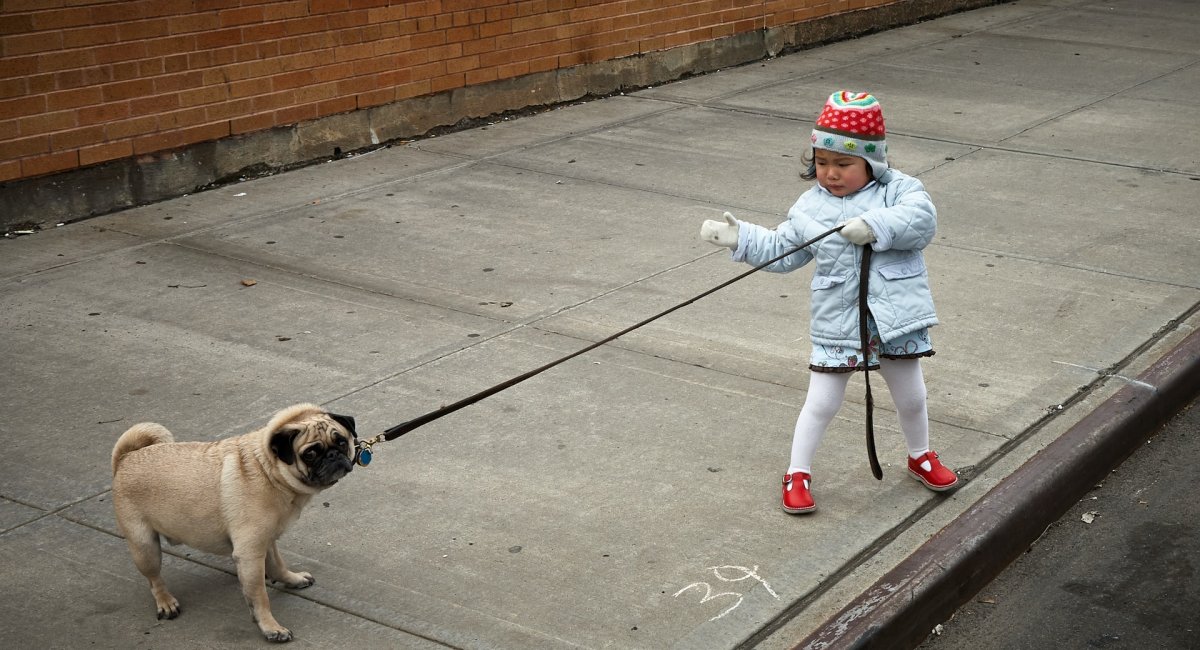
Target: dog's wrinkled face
x,y
319,451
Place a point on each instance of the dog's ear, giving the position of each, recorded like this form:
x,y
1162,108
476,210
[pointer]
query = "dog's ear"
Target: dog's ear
x,y
281,445
346,421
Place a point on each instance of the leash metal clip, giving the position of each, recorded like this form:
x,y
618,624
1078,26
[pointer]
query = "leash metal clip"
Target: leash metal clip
x,y
362,451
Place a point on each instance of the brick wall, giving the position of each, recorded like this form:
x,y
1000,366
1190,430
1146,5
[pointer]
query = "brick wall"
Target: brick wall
x,y
89,82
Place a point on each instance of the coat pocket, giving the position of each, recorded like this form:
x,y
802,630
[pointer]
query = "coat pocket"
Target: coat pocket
x,y
906,268
826,281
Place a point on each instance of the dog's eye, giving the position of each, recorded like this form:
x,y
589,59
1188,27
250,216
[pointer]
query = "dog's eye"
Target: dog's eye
x,y
311,453
341,443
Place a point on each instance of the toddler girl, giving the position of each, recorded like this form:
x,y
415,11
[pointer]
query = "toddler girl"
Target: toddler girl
x,y
879,207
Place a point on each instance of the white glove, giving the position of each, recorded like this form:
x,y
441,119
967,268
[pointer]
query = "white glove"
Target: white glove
x,y
858,232
721,234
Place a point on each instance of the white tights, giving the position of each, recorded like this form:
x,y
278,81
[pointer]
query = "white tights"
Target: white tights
x,y
827,391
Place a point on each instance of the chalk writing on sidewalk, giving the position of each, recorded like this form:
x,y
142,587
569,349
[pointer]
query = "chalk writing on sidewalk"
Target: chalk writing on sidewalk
x,y
717,572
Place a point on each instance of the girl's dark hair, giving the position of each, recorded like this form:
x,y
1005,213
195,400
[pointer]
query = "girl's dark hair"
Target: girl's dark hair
x,y
809,160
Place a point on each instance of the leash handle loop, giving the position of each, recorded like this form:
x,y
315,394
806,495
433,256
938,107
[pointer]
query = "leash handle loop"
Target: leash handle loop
x,y
864,337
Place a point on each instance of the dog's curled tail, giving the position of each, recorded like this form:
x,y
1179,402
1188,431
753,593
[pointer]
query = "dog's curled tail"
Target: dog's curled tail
x,y
137,436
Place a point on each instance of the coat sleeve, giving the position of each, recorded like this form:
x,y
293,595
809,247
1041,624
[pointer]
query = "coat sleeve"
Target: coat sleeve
x,y
757,244
908,222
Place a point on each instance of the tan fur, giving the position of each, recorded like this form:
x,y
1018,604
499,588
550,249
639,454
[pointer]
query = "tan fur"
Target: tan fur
x,y
138,436
233,496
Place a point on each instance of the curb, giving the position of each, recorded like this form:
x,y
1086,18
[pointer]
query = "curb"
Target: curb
x,y
900,609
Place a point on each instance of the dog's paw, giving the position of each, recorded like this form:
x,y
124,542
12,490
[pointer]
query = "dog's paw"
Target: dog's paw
x,y
281,635
298,580
168,607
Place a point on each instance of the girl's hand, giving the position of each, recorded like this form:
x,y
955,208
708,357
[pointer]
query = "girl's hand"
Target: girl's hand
x,y
857,231
721,234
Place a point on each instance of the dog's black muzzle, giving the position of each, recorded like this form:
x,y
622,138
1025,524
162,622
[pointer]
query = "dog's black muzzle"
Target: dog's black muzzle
x,y
330,468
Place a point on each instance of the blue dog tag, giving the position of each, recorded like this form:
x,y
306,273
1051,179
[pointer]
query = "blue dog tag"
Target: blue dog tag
x,y
364,457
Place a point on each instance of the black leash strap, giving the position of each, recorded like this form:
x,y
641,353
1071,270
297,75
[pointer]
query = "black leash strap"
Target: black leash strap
x,y
401,429
864,337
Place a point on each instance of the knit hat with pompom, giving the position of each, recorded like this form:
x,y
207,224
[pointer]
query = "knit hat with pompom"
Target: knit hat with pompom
x,y
852,123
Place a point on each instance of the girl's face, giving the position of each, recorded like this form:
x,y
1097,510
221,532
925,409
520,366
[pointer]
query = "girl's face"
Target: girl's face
x,y
841,174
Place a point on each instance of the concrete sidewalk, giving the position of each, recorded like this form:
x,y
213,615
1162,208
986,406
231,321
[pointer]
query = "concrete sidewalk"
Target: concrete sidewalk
x,y
628,498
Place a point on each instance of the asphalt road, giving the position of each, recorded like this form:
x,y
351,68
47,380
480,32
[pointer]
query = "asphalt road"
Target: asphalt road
x,y
1117,571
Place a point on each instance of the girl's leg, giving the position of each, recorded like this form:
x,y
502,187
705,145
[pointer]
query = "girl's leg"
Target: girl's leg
x,y
906,383
826,391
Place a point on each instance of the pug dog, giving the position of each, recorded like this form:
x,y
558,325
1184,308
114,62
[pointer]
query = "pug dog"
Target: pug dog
x,y
234,496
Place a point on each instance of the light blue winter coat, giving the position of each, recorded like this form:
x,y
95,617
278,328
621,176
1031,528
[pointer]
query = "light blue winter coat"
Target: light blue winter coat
x,y
903,218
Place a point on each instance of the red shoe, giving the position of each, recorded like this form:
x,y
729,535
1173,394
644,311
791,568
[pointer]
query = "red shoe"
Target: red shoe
x,y
937,477
797,500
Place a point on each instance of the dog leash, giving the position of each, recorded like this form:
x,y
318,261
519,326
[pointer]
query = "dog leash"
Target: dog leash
x,y
864,337
364,454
